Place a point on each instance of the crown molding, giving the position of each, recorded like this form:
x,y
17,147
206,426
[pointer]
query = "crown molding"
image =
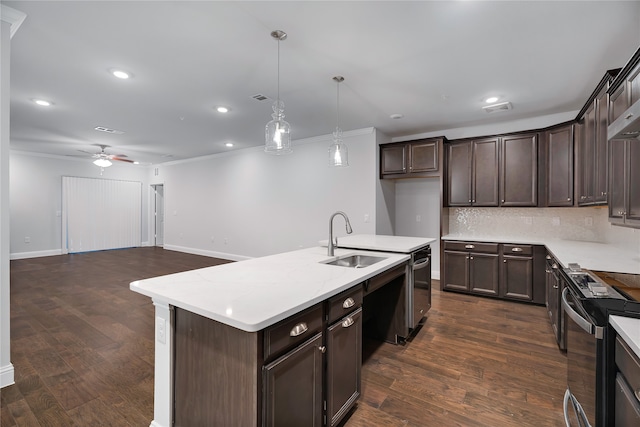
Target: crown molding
x,y
14,17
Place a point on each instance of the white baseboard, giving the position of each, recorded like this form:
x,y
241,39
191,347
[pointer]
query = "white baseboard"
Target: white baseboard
x,y
6,375
212,254
35,254
435,274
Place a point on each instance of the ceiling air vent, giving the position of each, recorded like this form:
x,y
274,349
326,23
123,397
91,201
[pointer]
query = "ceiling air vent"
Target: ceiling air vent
x,y
260,97
503,106
107,130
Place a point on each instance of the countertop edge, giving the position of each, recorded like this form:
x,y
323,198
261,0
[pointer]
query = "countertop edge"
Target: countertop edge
x,y
629,329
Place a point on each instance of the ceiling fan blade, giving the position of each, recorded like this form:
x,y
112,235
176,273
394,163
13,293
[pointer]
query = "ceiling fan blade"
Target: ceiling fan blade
x,y
121,159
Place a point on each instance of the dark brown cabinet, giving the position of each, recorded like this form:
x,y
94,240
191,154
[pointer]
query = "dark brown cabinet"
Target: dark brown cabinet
x,y
293,387
592,145
519,170
412,159
344,361
495,171
506,271
472,173
559,173
624,182
471,267
627,401
554,285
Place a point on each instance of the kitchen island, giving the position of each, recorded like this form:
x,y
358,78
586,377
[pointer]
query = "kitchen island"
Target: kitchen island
x,y
242,307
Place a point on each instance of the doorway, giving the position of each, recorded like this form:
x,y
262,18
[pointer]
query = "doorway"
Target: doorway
x,y
158,214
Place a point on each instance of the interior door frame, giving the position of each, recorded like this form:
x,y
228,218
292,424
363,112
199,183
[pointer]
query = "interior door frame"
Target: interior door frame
x,y
153,212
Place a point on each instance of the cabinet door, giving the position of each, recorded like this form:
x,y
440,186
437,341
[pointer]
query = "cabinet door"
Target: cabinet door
x,y
459,174
618,102
600,150
586,156
485,173
633,192
424,157
292,389
617,166
484,274
393,159
519,172
456,270
553,300
517,277
560,167
344,361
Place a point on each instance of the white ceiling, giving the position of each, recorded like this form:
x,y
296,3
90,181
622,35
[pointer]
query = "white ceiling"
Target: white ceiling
x,y
433,62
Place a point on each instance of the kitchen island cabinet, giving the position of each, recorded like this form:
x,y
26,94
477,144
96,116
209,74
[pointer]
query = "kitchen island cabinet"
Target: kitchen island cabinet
x,y
233,342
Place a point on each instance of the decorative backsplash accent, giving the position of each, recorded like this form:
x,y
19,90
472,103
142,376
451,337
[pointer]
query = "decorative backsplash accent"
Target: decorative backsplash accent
x,y
588,224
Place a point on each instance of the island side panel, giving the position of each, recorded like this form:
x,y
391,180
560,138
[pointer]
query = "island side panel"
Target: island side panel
x,y
163,383
216,380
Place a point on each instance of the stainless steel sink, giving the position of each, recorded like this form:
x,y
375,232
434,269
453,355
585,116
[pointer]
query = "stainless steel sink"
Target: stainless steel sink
x,y
356,261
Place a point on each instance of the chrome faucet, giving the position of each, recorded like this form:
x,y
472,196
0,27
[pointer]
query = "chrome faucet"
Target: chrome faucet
x,y
333,245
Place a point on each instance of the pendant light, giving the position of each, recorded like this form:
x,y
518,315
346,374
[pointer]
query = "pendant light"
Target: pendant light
x,y
338,153
277,132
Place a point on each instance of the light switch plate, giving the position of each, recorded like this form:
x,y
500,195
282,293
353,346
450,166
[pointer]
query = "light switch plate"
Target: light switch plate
x,y
161,330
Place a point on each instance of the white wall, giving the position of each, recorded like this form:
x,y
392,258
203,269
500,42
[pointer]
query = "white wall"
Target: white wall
x,y
247,203
417,213
36,198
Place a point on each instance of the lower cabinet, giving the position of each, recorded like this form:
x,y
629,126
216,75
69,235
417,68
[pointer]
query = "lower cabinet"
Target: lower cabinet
x,y
344,361
554,284
293,387
504,271
627,401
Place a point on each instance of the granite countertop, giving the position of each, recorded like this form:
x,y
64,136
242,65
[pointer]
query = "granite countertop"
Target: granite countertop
x,y
378,242
590,255
253,294
629,329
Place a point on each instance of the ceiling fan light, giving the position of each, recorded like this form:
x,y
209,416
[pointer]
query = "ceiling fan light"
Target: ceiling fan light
x,y
103,163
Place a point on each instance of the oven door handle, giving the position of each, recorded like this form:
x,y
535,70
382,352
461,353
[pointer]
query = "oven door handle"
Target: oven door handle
x,y
420,264
585,324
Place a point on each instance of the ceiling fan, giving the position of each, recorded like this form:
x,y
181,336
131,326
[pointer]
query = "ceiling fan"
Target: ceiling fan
x,y
103,160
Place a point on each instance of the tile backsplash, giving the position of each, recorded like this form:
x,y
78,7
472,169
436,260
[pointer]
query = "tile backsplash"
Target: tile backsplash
x,y
588,224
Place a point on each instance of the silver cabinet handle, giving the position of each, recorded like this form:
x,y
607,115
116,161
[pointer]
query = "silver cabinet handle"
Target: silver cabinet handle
x,y
469,200
299,329
548,257
323,349
469,246
555,286
628,116
504,260
470,257
568,199
421,264
554,266
516,249
348,303
347,322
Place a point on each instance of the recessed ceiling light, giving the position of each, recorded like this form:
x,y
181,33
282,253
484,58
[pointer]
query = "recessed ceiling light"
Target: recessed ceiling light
x,y
120,74
222,109
491,99
42,102
396,116
228,144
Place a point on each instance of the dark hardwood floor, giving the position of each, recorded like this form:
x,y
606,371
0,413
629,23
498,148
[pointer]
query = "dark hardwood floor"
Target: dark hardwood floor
x,y
82,348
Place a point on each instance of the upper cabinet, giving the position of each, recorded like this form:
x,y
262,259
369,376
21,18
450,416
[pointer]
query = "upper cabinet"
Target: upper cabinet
x,y
592,145
624,145
494,171
411,159
559,165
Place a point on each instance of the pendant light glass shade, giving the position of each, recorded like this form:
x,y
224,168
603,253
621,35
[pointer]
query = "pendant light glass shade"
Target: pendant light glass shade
x,y
103,163
277,133
338,152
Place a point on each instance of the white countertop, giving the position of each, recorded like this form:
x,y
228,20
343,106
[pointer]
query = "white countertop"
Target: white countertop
x,y
253,294
377,242
590,255
629,329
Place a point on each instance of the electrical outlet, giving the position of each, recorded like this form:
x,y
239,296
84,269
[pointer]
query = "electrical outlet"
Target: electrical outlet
x,y
226,240
527,220
418,218
366,217
27,239
161,332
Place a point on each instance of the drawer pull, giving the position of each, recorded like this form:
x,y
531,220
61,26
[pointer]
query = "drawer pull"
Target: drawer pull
x,y
548,256
322,349
469,246
516,249
299,329
348,303
628,116
347,322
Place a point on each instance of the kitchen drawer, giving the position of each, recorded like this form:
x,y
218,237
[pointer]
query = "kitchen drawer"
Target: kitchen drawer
x,y
627,407
629,365
344,303
471,247
292,331
517,250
